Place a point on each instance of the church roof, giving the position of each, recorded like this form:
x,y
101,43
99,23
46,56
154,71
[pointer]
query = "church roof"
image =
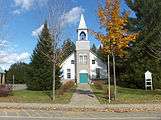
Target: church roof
x,y
82,24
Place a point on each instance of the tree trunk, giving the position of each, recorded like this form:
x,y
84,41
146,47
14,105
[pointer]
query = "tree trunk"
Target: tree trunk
x,y
53,81
114,75
109,90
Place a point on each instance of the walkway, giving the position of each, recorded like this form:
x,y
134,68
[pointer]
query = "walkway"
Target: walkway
x,y
84,96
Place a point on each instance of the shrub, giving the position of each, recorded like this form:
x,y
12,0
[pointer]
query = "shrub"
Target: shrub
x,y
66,87
5,90
105,91
98,85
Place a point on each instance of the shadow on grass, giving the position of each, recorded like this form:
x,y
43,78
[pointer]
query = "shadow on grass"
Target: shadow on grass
x,y
138,91
88,92
49,94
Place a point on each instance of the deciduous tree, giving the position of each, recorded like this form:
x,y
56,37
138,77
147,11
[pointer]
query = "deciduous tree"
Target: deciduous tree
x,y
117,36
54,14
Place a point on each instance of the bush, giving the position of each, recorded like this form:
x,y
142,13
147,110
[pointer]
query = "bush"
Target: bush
x,y
66,87
98,85
105,91
5,90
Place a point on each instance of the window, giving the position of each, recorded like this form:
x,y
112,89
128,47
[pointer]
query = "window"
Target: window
x,y
93,61
81,59
72,61
97,72
68,73
85,59
82,36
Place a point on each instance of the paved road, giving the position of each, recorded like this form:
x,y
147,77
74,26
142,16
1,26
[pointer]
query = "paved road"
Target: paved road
x,y
84,96
70,115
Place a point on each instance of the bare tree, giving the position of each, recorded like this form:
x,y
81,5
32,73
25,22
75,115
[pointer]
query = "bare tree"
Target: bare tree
x,y
54,14
57,9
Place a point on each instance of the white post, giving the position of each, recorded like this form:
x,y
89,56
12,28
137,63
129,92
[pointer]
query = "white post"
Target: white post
x,y
13,82
109,90
3,78
0,79
145,84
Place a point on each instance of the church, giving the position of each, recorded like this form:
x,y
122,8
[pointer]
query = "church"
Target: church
x,y
83,66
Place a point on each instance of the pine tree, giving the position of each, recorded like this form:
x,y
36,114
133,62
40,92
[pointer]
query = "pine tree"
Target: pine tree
x,y
41,67
145,52
94,49
67,49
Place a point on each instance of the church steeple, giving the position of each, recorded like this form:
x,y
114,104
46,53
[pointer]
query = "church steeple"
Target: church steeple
x,y
82,24
82,29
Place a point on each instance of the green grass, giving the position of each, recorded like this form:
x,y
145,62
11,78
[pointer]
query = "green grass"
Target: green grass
x,y
127,95
28,96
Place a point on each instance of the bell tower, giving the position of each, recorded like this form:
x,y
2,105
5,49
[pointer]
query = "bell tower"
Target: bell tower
x,y
82,53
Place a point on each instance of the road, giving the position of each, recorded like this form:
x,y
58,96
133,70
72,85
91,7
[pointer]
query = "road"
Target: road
x,y
11,114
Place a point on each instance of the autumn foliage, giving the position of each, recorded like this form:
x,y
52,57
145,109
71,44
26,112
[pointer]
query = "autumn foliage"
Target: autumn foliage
x,y
117,36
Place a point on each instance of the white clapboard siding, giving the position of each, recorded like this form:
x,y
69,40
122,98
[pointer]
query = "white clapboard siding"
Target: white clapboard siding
x,y
67,65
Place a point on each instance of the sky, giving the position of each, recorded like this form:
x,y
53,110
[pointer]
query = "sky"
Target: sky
x,y
25,21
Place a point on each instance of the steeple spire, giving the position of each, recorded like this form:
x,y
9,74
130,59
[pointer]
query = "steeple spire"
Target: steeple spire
x,y
82,24
82,29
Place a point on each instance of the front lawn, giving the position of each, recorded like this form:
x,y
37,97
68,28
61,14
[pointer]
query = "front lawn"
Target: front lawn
x,y
127,95
38,96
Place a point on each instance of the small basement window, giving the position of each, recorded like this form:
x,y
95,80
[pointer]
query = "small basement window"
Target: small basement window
x,y
68,73
97,72
72,61
93,61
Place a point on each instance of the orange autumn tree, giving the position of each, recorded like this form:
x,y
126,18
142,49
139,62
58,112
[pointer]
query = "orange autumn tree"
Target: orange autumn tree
x,y
117,36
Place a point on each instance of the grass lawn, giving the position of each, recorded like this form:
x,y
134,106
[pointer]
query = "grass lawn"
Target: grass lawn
x,y
38,96
127,95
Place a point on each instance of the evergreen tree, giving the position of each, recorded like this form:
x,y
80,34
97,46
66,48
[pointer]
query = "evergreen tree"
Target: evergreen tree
x,y
94,49
144,54
100,53
67,49
40,71
18,70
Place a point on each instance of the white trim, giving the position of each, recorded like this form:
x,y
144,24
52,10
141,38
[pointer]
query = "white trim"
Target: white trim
x,y
83,71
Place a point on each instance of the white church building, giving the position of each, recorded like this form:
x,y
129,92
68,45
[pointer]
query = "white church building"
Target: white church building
x,y
83,65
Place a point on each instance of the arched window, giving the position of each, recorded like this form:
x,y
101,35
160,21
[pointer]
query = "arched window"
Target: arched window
x,y
82,36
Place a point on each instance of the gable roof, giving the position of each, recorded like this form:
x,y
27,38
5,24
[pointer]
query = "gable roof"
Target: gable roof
x,y
98,56
67,58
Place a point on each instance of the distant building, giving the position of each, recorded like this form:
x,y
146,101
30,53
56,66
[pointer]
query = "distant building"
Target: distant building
x,y
83,65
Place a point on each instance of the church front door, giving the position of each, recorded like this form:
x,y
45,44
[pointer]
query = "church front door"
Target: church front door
x,y
83,77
